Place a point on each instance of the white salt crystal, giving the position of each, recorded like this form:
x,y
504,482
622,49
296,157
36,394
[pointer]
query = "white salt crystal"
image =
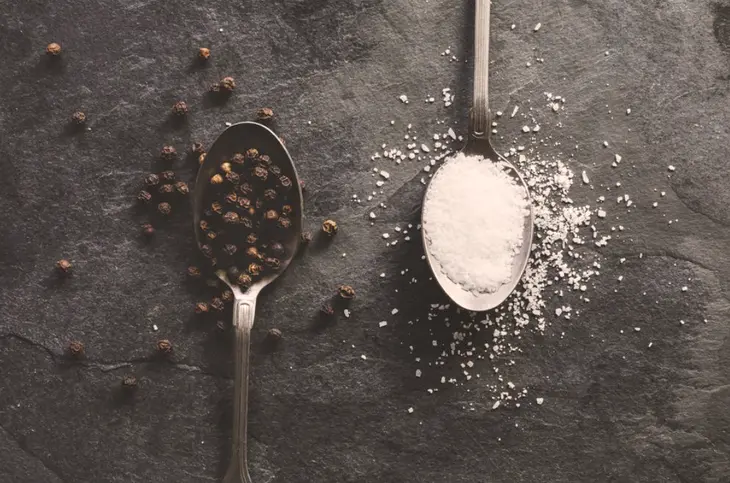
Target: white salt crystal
x,y
347,313
410,410
418,373
537,27
617,158
385,174
601,214
452,134
394,311
372,215
671,168
585,178
386,235
525,128
383,323
403,98
539,401
425,148
496,404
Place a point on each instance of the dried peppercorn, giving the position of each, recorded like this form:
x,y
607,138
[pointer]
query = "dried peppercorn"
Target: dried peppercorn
x,y
182,188
227,296
273,336
238,158
254,269
231,198
203,53
230,249
287,210
247,223
215,88
217,304
306,237
220,325
204,225
277,249
202,308
245,189
227,84
180,108
284,223
76,349
270,194
252,238
243,202
285,183
253,253
244,281
164,346
231,217
233,272
53,49
168,153
264,114
216,179
264,160
148,230
206,250
252,154
197,148
275,170
164,208
233,178
151,180
167,176
329,227
226,167
346,292
201,158
193,272
129,382
166,189
271,215
211,235
272,263
260,173
327,310
144,196
64,267
78,118
216,207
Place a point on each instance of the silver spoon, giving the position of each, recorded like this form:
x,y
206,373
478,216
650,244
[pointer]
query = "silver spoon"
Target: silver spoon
x,y
478,144
237,139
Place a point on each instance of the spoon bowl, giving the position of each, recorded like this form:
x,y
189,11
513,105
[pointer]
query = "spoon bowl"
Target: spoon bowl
x,y
237,139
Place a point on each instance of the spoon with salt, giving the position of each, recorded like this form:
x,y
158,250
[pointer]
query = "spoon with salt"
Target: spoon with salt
x,y
237,139
478,144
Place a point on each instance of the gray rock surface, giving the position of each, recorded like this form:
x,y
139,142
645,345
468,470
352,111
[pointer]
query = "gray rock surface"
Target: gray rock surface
x,y
614,411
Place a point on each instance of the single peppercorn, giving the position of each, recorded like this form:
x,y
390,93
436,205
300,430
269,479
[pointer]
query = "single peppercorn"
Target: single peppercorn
x,y
64,267
148,230
226,167
217,304
227,296
164,208
231,198
244,281
227,84
277,249
167,176
204,53
201,308
254,269
211,235
273,336
247,223
152,180
329,227
272,263
206,250
270,194
231,217
201,158
193,272
197,148
271,215
253,253
233,178
252,154
287,210
129,382
260,173
238,158
166,189
285,183
168,153
245,189
327,310
216,179
264,114
346,292
252,238
230,249
284,223
76,349
53,49
216,207
78,118
306,237
215,88
182,188
164,346
275,170
264,160
233,272
144,196
204,225
180,108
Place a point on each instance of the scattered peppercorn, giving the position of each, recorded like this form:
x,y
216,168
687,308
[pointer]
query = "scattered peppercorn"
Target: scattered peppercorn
x,y
180,108
272,263
271,215
273,335
285,183
202,308
211,235
168,153
233,272
253,253
217,304
252,238
182,188
53,49
215,88
238,158
284,223
260,173
327,309
226,167
201,158
275,170
216,207
78,118
244,281
306,237
245,189
216,179
346,292
148,230
193,272
144,196
227,84
64,267
264,114
206,250
76,349
287,210
270,194
329,227
164,346
232,198
231,217
152,180
277,249
129,382
227,296
164,208
197,148
252,154
166,189
204,53
230,249
167,176
264,160
254,269
233,178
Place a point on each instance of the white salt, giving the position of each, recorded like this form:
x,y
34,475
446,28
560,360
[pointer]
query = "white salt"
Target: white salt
x,y
474,218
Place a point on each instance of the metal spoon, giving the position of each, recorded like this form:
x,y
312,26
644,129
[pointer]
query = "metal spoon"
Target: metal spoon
x,y
479,144
237,139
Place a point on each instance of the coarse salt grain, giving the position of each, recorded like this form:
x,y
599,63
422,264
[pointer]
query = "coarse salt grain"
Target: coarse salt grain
x,y
473,199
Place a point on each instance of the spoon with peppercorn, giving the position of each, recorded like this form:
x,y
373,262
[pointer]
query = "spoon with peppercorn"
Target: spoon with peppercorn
x,y
247,210
477,218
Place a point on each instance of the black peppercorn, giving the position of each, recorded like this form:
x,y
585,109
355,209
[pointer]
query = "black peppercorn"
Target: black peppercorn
x,y
260,173
287,210
285,183
217,304
306,237
271,215
76,349
78,118
226,167
164,346
230,249
197,148
275,170
201,308
144,196
233,272
247,223
254,269
216,179
243,202
273,336
167,176
148,230
168,153
182,188
238,158
180,108
270,194
252,154
329,227
277,249
151,180
211,235
284,223
327,310
203,53
193,272
53,49
215,88
272,263
233,178
244,281
252,238
245,189
164,208
265,114
227,296
129,382
207,251
216,207
227,84
201,158
231,217
204,225
231,198
63,267
346,292
166,189
264,160
253,253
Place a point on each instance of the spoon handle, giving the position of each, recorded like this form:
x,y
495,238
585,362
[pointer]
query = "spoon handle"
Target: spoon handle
x,y
243,313
480,108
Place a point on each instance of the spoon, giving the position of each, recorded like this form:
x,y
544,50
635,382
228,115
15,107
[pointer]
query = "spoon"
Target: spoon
x,y
478,144
237,139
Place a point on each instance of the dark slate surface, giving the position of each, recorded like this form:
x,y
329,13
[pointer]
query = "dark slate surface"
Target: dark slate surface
x,y
614,410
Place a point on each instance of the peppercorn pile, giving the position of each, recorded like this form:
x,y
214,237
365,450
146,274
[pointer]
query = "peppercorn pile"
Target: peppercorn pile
x,y
248,218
